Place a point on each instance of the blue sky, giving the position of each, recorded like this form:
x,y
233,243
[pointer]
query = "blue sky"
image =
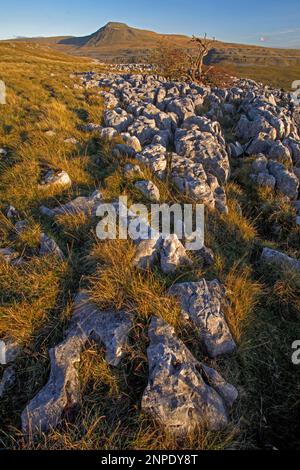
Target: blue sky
x,y
267,22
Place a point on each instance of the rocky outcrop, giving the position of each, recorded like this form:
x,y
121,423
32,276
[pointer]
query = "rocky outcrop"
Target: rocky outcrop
x,y
182,394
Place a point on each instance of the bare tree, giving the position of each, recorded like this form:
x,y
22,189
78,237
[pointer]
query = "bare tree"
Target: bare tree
x,y
196,57
181,63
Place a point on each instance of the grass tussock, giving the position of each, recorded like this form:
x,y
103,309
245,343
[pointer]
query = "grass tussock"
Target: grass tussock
x,y
118,284
28,295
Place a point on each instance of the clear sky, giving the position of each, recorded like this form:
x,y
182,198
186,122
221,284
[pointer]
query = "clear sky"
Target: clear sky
x,y
267,22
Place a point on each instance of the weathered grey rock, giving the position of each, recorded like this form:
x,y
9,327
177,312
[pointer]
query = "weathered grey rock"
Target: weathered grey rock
x,y
83,204
280,152
118,119
9,351
48,246
11,212
280,259
260,164
260,144
265,180
154,156
8,255
62,391
190,178
204,148
236,150
286,182
148,189
7,380
173,255
202,306
131,141
107,133
132,170
144,129
56,179
147,253
206,256
3,152
182,107
178,394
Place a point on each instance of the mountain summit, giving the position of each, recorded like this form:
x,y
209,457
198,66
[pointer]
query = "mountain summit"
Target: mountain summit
x,y
114,34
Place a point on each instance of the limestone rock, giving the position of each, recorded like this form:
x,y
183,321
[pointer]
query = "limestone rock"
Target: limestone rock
x,y
7,380
173,255
178,394
83,204
48,246
280,259
62,391
148,189
202,306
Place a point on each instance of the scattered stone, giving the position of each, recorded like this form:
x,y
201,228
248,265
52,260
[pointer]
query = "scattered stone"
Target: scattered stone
x,y
182,394
173,255
71,140
87,205
280,259
207,256
55,179
132,170
11,212
9,351
50,133
147,252
7,380
148,189
236,150
8,255
49,247
202,306
286,182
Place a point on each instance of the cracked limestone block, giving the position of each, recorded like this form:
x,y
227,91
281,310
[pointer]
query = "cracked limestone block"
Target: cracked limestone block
x,y
173,255
190,178
201,305
147,252
182,394
62,391
155,157
83,204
